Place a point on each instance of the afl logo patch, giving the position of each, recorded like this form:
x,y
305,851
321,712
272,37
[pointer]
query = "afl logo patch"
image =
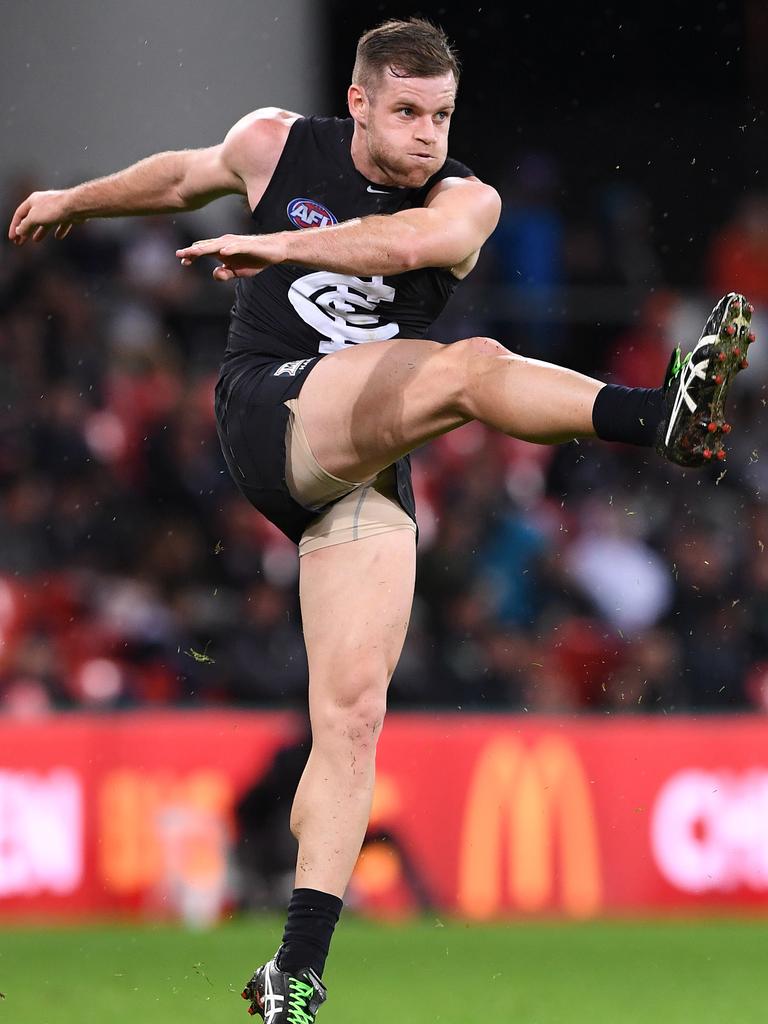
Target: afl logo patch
x,y
306,213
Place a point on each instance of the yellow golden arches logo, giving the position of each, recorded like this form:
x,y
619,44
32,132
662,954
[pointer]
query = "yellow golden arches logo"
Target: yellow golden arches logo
x,y
529,810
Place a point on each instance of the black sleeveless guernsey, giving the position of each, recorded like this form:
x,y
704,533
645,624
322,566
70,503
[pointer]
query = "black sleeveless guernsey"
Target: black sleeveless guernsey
x,y
290,311
288,316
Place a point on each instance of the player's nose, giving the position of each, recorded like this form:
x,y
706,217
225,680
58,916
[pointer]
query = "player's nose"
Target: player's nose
x,y
425,131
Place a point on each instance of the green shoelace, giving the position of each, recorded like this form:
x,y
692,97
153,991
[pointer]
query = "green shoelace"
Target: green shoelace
x,y
299,997
678,363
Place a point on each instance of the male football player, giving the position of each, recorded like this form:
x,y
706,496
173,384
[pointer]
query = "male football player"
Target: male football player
x,y
363,228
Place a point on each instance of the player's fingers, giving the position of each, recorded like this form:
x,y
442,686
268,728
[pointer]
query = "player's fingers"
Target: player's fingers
x,y
21,232
62,230
204,247
18,217
40,232
224,274
188,255
25,228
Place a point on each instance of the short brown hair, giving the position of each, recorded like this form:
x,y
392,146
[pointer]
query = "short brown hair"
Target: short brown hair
x,y
414,48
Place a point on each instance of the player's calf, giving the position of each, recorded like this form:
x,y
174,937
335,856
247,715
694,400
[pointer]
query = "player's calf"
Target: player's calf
x,y
333,801
525,398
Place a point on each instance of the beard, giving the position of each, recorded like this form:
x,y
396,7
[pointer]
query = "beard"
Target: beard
x,y
404,170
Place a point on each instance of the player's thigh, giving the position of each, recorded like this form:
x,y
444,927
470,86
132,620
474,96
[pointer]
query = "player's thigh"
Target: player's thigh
x,y
355,604
369,404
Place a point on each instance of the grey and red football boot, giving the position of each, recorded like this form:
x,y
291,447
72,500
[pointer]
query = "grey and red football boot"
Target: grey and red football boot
x,y
280,997
695,388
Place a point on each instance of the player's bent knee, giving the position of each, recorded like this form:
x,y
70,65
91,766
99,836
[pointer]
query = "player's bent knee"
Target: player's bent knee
x,y
469,347
473,358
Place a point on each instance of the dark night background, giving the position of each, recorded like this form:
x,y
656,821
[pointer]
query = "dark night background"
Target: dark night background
x,y
667,96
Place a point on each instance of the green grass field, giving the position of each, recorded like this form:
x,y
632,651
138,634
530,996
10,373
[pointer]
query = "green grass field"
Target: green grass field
x,y
705,972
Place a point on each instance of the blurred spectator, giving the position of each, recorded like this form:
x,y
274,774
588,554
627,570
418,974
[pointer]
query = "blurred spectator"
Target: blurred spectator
x,y
738,253
528,249
628,231
626,580
738,261
706,616
640,355
528,240
265,850
265,660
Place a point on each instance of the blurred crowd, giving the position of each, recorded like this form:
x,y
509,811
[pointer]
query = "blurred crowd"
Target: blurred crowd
x,y
585,577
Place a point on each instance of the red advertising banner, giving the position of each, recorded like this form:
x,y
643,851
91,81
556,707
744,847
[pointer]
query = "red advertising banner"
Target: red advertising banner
x,y
484,816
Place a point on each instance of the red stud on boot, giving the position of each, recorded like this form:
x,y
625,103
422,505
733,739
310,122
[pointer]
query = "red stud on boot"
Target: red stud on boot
x,y
727,428
712,428
721,454
707,453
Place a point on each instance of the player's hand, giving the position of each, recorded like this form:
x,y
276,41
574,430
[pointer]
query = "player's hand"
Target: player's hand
x,y
239,255
40,212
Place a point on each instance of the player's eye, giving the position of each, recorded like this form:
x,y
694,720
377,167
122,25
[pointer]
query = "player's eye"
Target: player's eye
x,y
442,115
406,110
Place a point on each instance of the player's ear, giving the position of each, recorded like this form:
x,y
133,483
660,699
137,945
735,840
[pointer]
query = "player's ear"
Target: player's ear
x,y
357,101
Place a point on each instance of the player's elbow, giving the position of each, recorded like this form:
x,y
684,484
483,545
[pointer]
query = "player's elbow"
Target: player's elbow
x,y
409,255
431,249
417,250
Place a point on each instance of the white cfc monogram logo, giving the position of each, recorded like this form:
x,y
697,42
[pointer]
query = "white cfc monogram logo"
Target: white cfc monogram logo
x,y
342,308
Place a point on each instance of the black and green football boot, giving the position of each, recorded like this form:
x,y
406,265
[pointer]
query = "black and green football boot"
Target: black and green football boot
x,y
280,997
695,388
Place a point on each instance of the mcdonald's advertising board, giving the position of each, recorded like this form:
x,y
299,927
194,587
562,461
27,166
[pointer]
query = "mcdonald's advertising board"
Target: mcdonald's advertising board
x,y
481,816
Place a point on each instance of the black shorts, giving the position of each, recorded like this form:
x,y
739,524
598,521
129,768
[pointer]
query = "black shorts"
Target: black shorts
x,y
251,421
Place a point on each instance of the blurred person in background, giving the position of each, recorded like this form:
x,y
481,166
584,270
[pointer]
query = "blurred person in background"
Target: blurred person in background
x,y
738,253
265,851
328,384
528,249
708,614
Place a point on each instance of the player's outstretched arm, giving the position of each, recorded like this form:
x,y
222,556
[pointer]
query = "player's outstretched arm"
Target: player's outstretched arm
x,y
163,183
459,217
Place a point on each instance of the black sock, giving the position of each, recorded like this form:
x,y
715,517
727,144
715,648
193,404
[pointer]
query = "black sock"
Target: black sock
x,y
312,916
631,415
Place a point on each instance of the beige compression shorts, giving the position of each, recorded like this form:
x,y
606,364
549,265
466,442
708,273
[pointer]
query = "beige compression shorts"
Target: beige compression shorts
x,y
358,510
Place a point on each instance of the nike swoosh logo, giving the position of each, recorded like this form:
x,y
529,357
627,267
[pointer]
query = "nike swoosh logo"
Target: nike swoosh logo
x,y
379,191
